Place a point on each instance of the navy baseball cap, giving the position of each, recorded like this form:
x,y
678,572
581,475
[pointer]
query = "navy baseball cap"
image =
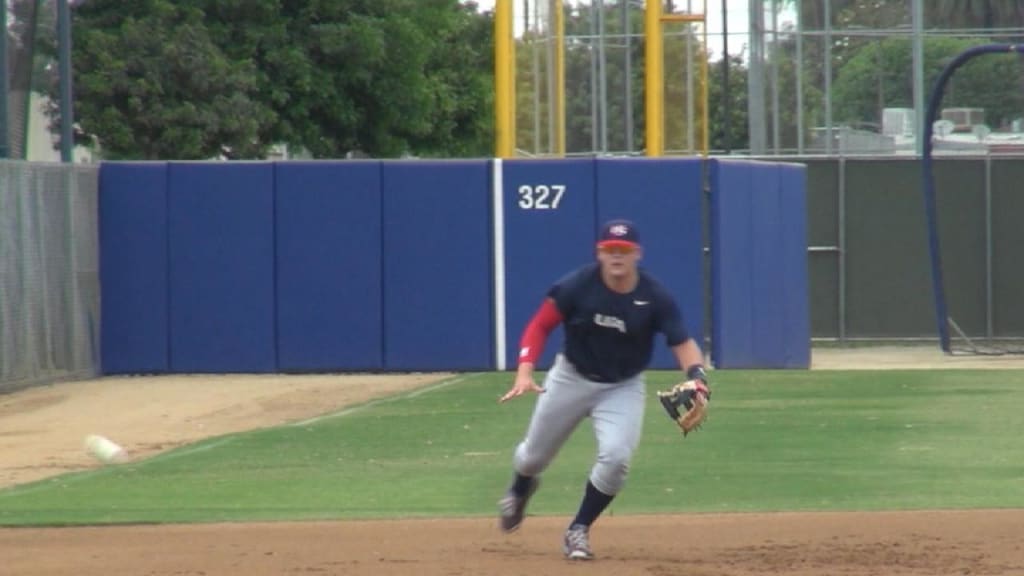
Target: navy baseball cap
x,y
618,233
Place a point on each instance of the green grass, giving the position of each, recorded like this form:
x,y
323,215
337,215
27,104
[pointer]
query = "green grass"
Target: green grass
x,y
776,440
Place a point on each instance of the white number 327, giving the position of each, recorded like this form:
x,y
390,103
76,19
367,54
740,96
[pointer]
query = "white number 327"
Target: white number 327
x,y
540,197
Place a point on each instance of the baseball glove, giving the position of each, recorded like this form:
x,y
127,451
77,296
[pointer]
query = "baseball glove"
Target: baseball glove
x,y
687,404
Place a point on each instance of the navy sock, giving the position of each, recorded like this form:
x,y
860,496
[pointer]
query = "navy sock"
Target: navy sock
x,y
594,503
521,485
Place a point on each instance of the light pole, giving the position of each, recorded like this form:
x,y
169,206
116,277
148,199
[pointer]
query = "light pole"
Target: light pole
x,y
4,87
67,114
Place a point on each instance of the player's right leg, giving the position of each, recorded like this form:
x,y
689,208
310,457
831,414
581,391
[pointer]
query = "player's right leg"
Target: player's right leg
x,y
567,400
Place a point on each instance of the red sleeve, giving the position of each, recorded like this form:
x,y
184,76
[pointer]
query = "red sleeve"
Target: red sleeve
x,y
536,334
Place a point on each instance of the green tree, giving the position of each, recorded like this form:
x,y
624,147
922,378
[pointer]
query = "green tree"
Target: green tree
x,y
582,92
812,14
378,76
876,78
812,104
198,78
736,121
534,104
464,65
532,90
684,105
849,19
151,83
986,14
580,89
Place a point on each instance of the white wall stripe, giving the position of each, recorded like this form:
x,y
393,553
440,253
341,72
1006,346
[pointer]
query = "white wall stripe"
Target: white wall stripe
x,y
498,199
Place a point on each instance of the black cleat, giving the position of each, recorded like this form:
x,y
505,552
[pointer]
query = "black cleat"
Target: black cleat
x,y
513,508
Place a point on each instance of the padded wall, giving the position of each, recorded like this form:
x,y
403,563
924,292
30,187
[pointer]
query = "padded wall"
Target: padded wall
x,y
759,266
328,232
257,267
550,230
664,198
796,298
133,268
437,265
221,226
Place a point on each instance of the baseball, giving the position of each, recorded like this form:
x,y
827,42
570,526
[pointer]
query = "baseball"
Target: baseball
x,y
104,450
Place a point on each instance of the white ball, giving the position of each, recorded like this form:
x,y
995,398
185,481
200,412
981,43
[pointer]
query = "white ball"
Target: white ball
x,y
104,449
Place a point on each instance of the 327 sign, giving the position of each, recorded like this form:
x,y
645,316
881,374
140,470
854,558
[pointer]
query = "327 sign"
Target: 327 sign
x,y
540,196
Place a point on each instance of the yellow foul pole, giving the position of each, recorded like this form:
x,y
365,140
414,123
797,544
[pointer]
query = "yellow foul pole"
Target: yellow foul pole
x,y
504,81
705,81
654,79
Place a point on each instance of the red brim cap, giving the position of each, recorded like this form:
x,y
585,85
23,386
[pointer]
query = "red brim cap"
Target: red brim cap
x,y
617,244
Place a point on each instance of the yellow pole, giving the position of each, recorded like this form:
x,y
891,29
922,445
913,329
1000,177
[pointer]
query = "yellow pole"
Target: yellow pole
x,y
702,75
706,140
654,80
504,81
559,15
513,104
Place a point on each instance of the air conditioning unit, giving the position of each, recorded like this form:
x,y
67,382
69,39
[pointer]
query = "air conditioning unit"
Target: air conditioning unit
x,y
964,119
898,121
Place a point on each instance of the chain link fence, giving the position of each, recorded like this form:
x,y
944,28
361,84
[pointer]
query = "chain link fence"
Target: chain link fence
x,y
836,78
580,81
49,273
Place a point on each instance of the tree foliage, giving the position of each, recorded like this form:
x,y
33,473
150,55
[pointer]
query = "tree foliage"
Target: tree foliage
x,y
870,73
728,108
193,79
893,13
876,78
592,108
201,78
985,14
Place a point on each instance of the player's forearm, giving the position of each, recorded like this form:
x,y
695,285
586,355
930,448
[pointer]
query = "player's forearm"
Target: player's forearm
x,y
689,355
525,369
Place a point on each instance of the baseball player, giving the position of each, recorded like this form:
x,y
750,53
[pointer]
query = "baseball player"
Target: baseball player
x,y
611,311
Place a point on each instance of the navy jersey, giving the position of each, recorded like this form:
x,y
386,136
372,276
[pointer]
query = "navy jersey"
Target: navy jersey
x,y
609,336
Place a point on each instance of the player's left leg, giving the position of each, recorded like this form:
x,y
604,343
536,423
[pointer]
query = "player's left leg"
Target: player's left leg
x,y
618,422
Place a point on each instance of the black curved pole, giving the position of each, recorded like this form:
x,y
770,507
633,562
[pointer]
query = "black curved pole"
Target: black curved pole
x,y
928,183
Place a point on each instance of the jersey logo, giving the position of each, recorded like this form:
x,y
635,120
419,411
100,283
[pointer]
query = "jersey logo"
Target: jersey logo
x,y
641,302
525,351
610,322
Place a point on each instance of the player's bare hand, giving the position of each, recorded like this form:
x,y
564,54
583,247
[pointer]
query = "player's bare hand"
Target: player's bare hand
x,y
522,385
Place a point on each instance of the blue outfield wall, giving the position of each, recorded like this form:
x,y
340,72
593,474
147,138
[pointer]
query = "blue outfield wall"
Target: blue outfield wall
x,y
437,263
552,211
760,312
134,328
221,267
794,268
329,276
428,265
550,219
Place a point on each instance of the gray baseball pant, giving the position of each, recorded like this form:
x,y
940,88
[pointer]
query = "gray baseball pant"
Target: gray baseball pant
x,y
617,412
